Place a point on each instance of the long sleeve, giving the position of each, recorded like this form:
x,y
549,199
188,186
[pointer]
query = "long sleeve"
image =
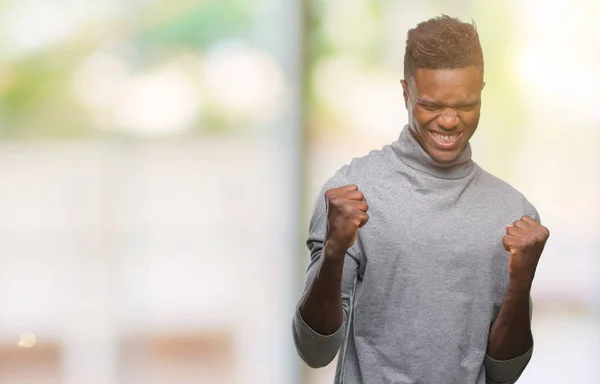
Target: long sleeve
x,y
315,349
506,371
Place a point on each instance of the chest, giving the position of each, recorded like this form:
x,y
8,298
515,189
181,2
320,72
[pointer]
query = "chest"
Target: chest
x,y
442,242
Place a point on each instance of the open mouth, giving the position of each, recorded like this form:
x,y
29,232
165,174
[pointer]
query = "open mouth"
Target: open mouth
x,y
444,140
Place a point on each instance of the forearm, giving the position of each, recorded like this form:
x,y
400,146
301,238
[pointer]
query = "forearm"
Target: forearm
x,y
321,306
510,335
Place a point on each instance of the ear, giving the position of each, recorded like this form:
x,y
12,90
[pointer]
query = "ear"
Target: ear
x,y
405,92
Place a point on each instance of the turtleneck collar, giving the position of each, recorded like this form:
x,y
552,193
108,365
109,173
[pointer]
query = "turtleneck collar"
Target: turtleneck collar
x,y
413,155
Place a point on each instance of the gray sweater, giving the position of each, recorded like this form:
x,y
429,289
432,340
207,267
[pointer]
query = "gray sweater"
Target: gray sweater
x,y
427,275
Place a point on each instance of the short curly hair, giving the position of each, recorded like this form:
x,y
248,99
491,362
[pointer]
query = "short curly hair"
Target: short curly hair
x,y
443,42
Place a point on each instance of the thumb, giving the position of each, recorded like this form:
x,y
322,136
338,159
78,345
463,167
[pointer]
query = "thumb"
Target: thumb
x,y
505,243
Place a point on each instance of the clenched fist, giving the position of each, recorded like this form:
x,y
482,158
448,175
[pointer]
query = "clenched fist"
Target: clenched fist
x,y
346,213
525,240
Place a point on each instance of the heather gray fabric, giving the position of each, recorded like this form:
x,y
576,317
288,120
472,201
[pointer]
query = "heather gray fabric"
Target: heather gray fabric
x,y
427,275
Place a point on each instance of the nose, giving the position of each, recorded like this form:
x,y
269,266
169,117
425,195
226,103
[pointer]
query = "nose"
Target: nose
x,y
448,119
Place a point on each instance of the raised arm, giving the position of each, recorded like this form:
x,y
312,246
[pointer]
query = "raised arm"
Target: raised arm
x,y
319,323
510,342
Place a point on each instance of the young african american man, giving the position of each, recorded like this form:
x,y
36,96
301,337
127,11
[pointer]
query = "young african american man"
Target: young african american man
x,y
422,262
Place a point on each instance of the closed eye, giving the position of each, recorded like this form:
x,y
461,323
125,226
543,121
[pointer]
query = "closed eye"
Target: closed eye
x,y
468,107
430,107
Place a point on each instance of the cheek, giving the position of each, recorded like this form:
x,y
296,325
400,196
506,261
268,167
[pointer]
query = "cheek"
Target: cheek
x,y
423,117
471,120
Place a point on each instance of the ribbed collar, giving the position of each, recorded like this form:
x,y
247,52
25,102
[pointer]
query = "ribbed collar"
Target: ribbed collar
x,y
413,155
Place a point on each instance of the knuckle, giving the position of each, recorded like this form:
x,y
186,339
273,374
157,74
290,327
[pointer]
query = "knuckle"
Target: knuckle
x,y
546,232
334,200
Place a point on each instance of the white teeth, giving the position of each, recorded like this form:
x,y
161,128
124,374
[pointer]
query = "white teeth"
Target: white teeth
x,y
444,138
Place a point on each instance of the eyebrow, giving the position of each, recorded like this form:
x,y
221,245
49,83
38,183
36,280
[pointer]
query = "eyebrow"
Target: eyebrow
x,y
468,103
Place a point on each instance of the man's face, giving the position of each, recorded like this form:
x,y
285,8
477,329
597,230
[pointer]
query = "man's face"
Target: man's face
x,y
443,109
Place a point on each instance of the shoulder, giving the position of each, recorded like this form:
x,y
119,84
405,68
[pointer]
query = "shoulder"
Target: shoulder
x,y
505,194
491,182
364,171
367,169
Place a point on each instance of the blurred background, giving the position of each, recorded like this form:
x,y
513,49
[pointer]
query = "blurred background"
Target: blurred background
x,y
159,160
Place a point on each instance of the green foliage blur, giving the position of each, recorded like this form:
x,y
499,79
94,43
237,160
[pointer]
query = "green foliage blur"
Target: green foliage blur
x,y
349,40
37,100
